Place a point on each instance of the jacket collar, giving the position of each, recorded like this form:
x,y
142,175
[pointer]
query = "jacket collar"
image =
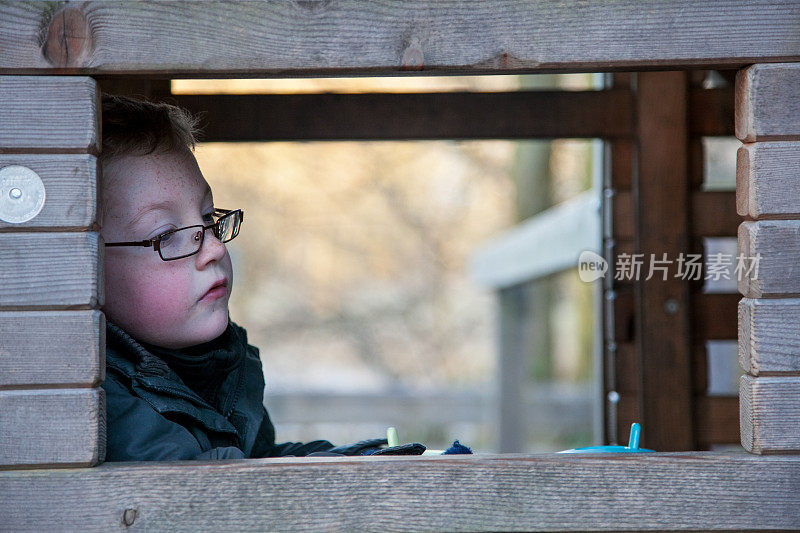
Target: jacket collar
x,y
162,387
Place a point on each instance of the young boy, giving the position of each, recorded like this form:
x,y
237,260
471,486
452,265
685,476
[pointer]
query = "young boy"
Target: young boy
x,y
181,380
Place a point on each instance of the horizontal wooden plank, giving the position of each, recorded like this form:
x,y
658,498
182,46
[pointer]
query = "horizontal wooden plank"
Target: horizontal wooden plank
x,y
776,243
52,348
766,179
287,38
769,335
513,115
714,214
769,414
768,102
714,316
555,492
70,183
565,231
48,114
58,270
716,419
52,426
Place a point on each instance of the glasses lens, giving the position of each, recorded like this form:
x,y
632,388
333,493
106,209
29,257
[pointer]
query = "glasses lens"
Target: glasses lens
x,y
181,243
228,226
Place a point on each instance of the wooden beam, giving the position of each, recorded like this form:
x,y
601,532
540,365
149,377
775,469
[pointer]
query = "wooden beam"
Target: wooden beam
x,y
768,336
711,111
45,427
274,38
489,492
52,348
777,245
770,413
564,231
511,115
767,174
661,191
51,270
717,420
48,114
714,316
714,214
70,185
768,103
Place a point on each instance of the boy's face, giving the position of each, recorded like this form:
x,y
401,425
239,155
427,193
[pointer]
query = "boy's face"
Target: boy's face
x,y
165,303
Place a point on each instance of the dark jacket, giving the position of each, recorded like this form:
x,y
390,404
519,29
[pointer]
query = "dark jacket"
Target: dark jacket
x,y
153,415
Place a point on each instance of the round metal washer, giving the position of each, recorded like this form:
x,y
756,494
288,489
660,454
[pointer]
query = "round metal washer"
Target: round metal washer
x,y
21,194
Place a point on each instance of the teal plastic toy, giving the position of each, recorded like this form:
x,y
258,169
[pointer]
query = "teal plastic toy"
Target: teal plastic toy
x,y
632,447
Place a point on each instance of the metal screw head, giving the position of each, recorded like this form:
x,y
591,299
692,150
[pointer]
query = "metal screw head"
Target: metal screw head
x,y
672,306
15,193
613,396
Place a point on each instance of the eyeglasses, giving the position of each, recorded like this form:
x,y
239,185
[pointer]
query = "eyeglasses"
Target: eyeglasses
x,y
183,242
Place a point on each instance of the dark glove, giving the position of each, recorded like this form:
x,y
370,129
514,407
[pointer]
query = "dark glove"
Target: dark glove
x,y
373,447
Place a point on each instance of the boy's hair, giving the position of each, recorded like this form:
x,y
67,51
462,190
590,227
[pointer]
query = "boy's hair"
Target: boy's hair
x,y
138,127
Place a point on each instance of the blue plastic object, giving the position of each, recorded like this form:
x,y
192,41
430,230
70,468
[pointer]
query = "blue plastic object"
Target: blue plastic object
x,y
632,447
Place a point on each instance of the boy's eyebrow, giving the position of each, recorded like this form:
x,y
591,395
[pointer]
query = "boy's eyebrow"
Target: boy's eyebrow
x,y
164,206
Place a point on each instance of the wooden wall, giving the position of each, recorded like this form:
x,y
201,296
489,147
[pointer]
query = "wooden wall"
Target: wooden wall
x,y
52,408
768,195
655,361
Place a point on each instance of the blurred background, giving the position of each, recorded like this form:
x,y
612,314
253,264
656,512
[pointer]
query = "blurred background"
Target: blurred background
x,y
356,276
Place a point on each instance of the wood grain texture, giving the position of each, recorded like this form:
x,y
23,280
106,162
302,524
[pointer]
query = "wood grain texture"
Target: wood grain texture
x,y
661,215
295,38
467,493
769,335
48,114
767,174
768,102
777,242
769,414
52,426
52,348
70,183
58,270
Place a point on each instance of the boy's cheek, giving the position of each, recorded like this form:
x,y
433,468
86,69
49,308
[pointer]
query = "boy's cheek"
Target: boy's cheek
x,y
144,297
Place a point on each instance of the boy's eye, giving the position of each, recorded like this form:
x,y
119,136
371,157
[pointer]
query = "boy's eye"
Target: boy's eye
x,y
209,217
164,237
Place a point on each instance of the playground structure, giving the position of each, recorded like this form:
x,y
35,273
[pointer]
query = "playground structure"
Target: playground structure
x,y
56,57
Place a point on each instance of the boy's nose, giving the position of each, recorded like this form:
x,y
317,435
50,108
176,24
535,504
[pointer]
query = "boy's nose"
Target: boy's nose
x,y
212,249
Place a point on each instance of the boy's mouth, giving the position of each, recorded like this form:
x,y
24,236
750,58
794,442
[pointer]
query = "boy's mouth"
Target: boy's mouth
x,y
217,290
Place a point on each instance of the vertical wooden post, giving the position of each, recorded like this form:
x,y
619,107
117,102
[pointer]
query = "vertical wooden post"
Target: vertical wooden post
x,y
52,408
768,193
661,216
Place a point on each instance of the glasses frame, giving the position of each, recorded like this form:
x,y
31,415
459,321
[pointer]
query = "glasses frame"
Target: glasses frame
x,y
156,241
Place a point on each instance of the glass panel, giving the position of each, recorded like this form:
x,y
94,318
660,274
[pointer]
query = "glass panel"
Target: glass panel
x,y
723,368
719,265
719,163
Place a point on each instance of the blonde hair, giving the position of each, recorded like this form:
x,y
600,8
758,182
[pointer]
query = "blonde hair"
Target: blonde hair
x,y
134,127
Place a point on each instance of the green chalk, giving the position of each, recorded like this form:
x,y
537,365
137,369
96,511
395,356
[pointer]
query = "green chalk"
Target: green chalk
x,y
391,436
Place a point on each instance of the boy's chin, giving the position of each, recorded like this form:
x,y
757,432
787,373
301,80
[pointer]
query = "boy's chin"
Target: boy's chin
x,y
215,326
